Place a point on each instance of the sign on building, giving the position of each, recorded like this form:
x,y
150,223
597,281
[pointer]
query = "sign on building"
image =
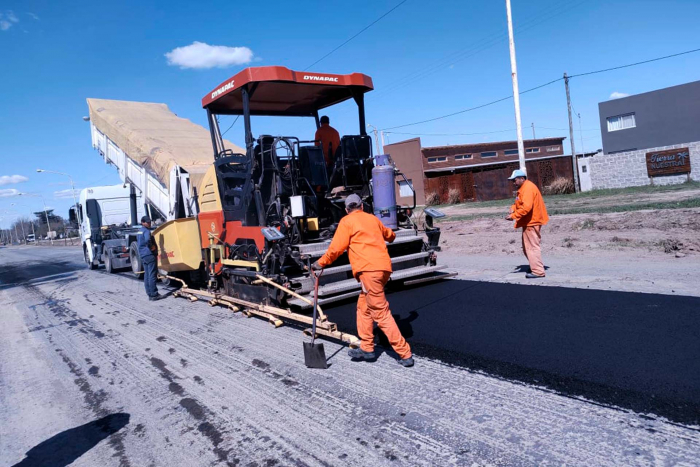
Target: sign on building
x,y
671,162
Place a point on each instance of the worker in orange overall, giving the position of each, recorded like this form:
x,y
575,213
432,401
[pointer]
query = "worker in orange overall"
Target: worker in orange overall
x,y
363,236
530,213
329,139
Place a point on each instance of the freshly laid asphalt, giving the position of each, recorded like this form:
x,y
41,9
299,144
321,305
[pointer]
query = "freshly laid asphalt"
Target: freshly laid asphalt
x,y
633,350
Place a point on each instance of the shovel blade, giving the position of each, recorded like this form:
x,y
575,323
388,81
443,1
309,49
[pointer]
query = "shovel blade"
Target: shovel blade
x,y
315,356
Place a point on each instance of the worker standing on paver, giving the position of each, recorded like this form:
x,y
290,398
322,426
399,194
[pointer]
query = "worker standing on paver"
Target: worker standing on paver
x,y
147,250
530,213
363,236
329,138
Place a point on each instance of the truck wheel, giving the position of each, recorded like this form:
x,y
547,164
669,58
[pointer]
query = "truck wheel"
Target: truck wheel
x,y
108,264
90,264
135,259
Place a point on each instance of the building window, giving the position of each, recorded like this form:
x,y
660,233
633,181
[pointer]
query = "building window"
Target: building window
x,y
553,148
406,188
437,159
511,152
621,122
532,150
584,169
489,154
463,156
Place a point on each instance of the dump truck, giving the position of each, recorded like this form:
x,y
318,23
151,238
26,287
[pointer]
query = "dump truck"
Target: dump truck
x,y
108,226
244,230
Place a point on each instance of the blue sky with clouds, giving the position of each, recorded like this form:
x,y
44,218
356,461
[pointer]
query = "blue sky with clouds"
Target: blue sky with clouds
x,y
426,58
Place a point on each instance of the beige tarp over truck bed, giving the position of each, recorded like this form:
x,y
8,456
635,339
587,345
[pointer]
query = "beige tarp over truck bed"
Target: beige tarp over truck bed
x,y
156,138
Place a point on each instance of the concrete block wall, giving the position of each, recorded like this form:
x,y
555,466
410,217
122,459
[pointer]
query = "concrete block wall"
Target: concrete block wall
x,y
626,169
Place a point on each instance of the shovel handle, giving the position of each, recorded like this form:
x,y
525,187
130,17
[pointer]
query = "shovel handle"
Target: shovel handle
x,y
313,327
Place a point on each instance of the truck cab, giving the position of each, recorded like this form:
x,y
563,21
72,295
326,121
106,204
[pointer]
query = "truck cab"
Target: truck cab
x,y
106,221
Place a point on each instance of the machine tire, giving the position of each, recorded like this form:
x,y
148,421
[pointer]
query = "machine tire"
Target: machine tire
x,y
90,264
135,259
108,264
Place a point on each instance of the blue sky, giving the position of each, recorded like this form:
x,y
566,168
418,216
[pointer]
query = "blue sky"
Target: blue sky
x,y
426,59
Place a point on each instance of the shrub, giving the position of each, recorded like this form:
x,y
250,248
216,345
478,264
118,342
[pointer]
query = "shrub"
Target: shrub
x,y
432,199
454,196
560,186
670,245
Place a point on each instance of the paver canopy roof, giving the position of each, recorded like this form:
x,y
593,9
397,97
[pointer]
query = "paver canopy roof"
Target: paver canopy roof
x,y
281,91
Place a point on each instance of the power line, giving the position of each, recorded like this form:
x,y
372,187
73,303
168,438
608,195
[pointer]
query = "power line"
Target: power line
x,y
541,86
475,48
634,64
448,134
234,122
473,108
361,31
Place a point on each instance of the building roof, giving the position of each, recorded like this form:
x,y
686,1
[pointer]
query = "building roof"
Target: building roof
x,y
474,147
485,164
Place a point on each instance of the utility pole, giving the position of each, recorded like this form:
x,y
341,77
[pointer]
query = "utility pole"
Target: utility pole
x,y
376,137
580,132
571,133
516,92
533,132
24,236
383,144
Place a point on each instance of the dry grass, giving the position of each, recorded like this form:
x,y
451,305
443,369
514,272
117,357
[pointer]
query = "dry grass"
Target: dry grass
x,y
432,199
560,186
454,196
671,245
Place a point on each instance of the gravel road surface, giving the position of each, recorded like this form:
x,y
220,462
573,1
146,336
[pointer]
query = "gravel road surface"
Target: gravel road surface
x,y
91,373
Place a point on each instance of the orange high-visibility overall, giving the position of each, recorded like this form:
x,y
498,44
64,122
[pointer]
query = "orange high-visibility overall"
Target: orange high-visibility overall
x,y
530,213
328,137
364,236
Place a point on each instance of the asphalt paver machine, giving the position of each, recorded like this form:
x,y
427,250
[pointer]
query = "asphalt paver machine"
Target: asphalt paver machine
x,y
264,216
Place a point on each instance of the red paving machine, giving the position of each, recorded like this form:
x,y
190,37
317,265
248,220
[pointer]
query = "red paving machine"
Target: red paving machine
x,y
264,216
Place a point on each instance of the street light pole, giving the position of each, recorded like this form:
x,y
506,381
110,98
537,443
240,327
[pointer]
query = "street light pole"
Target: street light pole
x,y
72,187
516,91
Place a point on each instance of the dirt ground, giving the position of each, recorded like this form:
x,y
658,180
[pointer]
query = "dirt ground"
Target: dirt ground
x,y
652,234
582,225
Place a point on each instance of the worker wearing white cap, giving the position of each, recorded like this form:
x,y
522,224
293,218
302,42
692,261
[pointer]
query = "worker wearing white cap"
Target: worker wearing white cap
x,y
530,213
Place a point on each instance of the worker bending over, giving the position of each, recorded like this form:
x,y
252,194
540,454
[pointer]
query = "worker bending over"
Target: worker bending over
x,y
363,236
530,213
329,139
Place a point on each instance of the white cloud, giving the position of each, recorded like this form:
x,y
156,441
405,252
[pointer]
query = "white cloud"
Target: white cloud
x,y
8,193
201,56
12,179
66,194
7,20
618,95
33,15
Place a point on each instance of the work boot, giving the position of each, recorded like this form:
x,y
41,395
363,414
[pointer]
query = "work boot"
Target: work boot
x,y
155,298
407,362
530,275
359,354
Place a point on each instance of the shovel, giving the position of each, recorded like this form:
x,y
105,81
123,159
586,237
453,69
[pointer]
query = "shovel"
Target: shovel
x,y
314,354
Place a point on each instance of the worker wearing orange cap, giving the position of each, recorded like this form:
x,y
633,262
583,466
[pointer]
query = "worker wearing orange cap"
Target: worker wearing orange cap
x,y
329,139
530,213
363,236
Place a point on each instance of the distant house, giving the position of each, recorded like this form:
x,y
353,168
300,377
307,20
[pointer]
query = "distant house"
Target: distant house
x,y
477,171
652,137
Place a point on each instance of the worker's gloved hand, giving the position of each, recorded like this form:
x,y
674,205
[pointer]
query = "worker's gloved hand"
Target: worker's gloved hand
x,y
316,267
